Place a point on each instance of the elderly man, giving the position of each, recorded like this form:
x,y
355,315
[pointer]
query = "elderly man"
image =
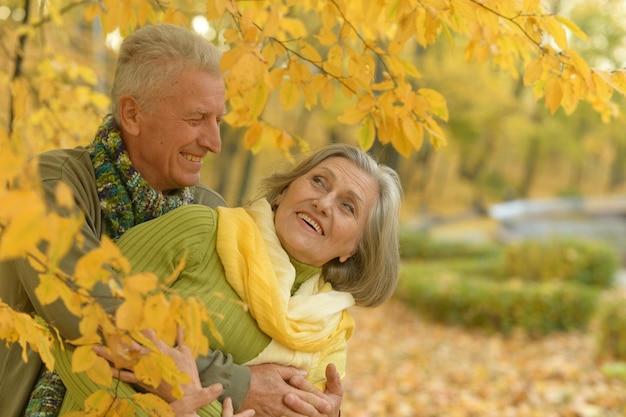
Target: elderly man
x,y
168,99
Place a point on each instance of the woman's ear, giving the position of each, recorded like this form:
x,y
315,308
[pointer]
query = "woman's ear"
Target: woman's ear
x,y
344,258
129,115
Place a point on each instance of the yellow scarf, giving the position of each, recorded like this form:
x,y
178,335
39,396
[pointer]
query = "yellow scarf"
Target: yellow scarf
x,y
310,328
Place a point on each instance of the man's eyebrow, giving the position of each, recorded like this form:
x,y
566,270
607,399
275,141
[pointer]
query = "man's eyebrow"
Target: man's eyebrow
x,y
204,112
354,195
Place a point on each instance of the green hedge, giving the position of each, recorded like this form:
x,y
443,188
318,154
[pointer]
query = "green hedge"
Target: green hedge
x,y
586,262
537,308
610,327
419,245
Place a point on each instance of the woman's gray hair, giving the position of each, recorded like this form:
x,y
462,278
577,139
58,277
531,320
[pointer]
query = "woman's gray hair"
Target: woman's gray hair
x,y
150,58
371,274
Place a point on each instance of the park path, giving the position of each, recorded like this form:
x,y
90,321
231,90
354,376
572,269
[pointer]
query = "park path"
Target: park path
x,y
400,365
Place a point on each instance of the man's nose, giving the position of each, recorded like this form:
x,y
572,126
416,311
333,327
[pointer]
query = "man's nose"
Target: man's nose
x,y
211,139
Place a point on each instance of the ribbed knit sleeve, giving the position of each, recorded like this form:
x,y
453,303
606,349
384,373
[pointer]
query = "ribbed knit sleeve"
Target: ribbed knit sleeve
x,y
159,245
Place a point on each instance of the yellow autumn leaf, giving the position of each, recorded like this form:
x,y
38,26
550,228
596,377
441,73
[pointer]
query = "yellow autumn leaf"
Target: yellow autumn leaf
x,y
71,298
215,9
269,54
23,213
93,266
602,89
309,95
289,95
294,27
99,402
153,405
12,160
553,93
367,134
437,102
83,358
413,132
92,11
352,115
123,407
142,283
191,315
156,311
256,100
48,289
299,72
148,371
326,37
327,94
21,328
64,196
399,141
128,315
252,135
61,235
436,133
530,6
232,56
383,86
533,71
143,13
556,31
100,372
89,323
573,27
334,58
309,52
19,92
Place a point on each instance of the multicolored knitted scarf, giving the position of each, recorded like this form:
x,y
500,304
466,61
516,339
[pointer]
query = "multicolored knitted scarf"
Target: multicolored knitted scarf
x,y
126,198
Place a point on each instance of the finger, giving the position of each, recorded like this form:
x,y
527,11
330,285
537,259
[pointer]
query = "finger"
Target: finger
x,y
103,352
303,384
227,407
191,402
311,406
288,372
227,410
180,335
125,376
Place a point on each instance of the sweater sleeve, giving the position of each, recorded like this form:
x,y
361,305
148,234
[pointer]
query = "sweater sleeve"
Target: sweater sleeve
x,y
158,246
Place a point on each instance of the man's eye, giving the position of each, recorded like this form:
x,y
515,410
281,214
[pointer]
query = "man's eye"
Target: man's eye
x,y
194,121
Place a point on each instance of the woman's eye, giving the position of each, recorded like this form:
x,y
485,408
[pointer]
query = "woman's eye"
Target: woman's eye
x,y
349,207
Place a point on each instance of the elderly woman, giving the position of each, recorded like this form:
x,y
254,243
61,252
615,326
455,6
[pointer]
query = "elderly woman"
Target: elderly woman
x,y
323,238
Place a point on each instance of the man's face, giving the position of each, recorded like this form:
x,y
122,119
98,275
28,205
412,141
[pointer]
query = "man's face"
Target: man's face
x,y
181,129
322,215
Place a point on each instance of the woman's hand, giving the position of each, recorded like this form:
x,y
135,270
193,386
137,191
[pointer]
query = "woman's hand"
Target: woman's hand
x,y
194,395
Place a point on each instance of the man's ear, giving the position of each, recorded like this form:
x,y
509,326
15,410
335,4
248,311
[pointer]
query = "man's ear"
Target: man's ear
x,y
129,112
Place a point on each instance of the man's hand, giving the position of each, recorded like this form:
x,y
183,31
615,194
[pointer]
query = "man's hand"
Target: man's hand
x,y
269,387
332,395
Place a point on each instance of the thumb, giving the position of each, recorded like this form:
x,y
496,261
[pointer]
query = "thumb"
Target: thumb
x,y
333,380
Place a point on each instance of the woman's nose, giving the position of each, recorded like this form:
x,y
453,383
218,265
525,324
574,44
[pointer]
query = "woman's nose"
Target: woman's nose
x,y
323,203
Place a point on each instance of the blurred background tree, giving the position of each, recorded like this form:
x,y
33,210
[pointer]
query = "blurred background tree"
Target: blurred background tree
x,y
58,57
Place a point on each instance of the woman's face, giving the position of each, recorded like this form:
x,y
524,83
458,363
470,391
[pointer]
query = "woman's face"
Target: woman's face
x,y
321,215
